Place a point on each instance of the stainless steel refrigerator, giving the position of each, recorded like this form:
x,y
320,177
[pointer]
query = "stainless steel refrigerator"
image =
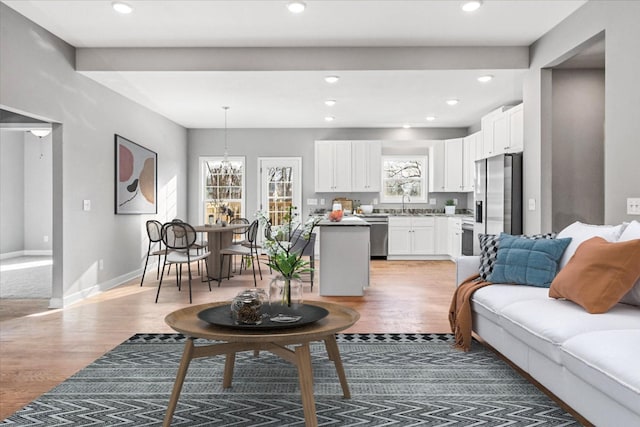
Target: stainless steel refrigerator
x,y
498,196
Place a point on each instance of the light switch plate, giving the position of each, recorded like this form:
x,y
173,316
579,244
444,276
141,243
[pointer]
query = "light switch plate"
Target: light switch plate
x,y
432,201
532,204
86,205
312,202
322,202
633,206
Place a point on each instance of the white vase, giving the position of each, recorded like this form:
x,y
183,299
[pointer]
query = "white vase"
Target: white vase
x,y
449,210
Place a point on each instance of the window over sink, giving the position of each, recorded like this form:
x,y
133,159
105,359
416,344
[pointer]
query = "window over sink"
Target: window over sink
x,y
404,175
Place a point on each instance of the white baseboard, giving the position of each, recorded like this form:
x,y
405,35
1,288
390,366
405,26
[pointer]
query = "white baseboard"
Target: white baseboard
x,y
9,255
43,252
16,254
94,290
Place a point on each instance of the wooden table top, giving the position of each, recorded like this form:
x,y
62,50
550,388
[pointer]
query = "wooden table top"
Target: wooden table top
x,y
186,321
218,228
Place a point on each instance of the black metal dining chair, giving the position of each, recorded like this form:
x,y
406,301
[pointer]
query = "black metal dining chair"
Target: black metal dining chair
x,y
249,250
180,238
154,232
306,248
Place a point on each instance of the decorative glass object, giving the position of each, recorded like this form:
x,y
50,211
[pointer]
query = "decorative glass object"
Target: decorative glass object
x,y
248,306
285,293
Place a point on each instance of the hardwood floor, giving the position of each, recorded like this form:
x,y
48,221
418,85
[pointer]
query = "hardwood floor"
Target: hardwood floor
x,y
42,349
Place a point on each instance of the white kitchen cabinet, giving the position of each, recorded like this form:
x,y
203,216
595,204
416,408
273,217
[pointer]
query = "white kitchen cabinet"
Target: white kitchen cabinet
x,y
515,122
442,240
366,165
437,167
411,235
454,158
454,231
494,132
479,146
468,162
332,166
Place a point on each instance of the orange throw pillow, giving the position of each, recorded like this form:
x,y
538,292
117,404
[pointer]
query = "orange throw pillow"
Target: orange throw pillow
x,y
599,274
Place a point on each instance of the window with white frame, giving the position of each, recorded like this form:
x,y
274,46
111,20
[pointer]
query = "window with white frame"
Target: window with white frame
x,y
223,188
404,175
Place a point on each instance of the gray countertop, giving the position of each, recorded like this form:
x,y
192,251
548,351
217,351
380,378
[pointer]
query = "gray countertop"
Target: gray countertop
x,y
347,221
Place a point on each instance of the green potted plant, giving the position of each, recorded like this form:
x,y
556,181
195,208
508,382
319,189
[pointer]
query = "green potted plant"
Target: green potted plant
x,y
449,207
284,244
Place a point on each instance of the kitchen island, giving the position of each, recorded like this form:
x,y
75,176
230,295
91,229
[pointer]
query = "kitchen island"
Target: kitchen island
x,y
344,257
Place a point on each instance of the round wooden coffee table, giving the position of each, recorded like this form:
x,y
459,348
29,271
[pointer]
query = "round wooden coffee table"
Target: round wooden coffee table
x,y
187,322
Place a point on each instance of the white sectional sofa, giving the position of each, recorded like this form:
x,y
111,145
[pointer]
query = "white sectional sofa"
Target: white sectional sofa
x,y
590,361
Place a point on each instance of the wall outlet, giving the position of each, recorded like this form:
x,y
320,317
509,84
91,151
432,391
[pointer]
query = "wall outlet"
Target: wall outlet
x,y
633,206
86,205
312,202
433,201
45,238
375,201
322,202
101,264
532,204
455,202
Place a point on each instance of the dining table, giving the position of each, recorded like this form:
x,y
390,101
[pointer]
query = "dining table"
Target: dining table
x,y
218,238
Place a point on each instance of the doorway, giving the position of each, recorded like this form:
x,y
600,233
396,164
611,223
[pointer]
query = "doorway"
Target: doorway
x,y
279,187
576,131
26,217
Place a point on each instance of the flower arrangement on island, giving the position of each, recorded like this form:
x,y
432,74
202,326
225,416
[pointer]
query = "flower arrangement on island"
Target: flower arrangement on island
x,y
285,244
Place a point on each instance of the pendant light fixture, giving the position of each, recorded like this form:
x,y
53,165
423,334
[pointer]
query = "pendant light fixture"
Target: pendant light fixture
x,y
225,166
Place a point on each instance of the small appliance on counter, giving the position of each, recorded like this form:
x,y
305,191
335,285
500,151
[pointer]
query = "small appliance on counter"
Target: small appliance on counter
x,y
346,204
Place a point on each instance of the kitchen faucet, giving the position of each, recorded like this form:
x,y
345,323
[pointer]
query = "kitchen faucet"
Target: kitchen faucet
x,y
408,199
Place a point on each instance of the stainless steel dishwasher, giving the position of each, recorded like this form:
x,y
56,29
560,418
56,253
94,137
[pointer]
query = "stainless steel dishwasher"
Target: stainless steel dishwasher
x,y
379,234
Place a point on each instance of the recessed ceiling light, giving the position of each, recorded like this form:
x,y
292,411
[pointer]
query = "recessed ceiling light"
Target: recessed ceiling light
x,y
431,118
470,6
452,101
406,126
296,6
329,118
121,7
485,79
330,102
331,79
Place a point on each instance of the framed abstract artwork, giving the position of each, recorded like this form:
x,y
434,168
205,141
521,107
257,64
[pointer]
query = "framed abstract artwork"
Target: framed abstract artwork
x,y
136,178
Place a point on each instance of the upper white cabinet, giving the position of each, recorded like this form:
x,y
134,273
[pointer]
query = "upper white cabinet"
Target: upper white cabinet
x,y
344,166
333,166
469,150
503,131
366,158
515,120
437,167
494,132
454,156
447,166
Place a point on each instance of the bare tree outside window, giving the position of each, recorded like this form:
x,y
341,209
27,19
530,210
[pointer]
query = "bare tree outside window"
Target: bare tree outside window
x,y
223,188
403,176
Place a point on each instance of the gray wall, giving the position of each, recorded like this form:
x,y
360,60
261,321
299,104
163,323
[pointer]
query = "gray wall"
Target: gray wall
x,y
38,192
37,77
577,147
619,21
11,191
254,143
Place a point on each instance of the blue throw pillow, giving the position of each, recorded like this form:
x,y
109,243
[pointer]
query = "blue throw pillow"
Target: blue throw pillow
x,y
527,262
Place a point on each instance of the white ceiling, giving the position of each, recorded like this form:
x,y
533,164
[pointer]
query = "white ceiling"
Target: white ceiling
x,y
286,98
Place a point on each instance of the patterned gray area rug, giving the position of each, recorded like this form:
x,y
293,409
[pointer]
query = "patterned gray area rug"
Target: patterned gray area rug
x,y
395,380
